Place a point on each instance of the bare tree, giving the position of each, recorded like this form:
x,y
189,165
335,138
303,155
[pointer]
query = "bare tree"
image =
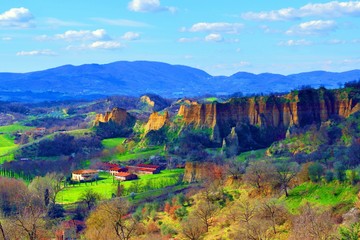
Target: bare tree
x,y
29,218
274,212
2,232
285,173
111,220
192,228
206,212
235,168
50,183
260,174
311,223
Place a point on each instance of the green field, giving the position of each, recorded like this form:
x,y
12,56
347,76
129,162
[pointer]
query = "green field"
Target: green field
x,y
328,195
106,186
13,128
112,142
256,154
7,145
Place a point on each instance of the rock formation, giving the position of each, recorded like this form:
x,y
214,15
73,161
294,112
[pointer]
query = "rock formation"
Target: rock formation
x,y
277,112
156,121
116,115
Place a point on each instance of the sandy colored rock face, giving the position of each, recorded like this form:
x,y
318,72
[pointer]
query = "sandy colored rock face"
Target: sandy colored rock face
x,y
276,112
116,115
156,121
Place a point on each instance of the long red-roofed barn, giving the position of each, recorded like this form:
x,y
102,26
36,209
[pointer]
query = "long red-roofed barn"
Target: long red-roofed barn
x,y
144,169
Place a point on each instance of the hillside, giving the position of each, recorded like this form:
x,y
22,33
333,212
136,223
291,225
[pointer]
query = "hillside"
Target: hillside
x,y
136,78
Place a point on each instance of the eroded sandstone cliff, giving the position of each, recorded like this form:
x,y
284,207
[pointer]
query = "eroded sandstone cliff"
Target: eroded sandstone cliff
x,y
156,121
270,112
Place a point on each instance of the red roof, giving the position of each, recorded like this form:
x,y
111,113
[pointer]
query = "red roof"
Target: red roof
x,y
119,169
85,171
141,165
123,174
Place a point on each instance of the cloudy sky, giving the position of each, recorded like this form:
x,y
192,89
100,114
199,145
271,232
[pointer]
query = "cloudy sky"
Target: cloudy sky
x,y
220,37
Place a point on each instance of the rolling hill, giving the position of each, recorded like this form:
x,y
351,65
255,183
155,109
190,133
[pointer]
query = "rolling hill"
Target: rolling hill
x,y
139,77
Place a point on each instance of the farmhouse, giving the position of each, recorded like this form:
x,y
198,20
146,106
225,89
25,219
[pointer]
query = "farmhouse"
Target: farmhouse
x,y
124,176
144,169
116,170
84,175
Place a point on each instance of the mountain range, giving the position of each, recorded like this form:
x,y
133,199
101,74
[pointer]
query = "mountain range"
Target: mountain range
x,y
139,77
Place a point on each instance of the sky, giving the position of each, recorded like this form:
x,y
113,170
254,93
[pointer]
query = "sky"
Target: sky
x,y
219,37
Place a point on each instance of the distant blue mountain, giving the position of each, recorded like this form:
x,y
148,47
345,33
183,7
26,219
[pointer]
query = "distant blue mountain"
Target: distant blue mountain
x,y
139,77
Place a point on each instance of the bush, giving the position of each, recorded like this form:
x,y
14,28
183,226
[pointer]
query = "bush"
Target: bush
x,y
167,230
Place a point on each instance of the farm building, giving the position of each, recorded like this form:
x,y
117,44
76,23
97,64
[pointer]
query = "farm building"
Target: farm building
x,y
116,170
144,169
125,176
84,175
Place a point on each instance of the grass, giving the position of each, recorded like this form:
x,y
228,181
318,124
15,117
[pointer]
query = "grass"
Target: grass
x,y
7,145
112,142
9,129
105,186
260,153
328,195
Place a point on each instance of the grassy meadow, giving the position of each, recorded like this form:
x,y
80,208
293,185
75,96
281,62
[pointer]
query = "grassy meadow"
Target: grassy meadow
x,y
106,185
330,195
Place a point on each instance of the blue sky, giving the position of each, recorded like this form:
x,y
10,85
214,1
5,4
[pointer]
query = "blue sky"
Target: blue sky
x,y
220,37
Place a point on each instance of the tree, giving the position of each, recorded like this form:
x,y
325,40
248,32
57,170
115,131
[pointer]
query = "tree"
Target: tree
x,y
316,170
28,221
339,170
260,174
47,187
10,190
312,223
274,212
2,231
111,220
285,172
192,228
235,168
90,198
55,211
206,212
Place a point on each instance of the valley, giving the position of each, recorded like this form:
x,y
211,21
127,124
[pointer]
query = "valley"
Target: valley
x,y
293,154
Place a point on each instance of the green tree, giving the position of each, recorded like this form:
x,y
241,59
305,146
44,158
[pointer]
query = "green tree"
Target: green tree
x,y
351,233
316,170
90,198
339,170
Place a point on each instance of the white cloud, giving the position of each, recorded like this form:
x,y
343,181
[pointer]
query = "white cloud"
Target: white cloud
x,y
292,43
105,45
187,40
313,28
17,18
121,22
336,41
214,37
329,9
54,22
71,35
6,38
45,52
148,6
217,27
131,36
